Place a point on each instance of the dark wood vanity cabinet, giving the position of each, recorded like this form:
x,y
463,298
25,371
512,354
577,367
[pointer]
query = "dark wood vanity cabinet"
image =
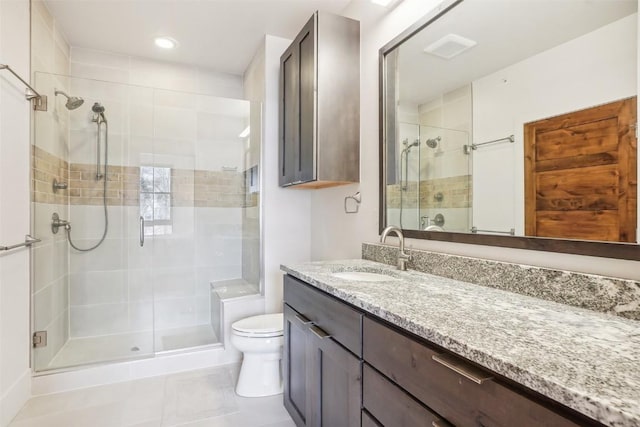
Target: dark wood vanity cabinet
x,y
344,368
449,389
319,120
321,358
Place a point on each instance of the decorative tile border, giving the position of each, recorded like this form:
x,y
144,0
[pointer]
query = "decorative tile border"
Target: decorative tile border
x,y
189,188
598,293
455,192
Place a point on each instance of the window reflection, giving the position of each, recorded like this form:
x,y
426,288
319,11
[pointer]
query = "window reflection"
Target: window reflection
x,y
155,200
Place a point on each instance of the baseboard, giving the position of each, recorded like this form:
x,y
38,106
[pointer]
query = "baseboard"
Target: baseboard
x,y
15,397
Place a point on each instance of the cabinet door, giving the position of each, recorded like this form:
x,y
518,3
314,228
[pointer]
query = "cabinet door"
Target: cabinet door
x,y
335,383
289,143
306,46
294,366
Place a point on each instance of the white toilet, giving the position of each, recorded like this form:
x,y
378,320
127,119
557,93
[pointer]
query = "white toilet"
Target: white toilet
x,y
260,339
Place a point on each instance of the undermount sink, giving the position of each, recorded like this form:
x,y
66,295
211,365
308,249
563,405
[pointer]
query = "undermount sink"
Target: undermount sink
x,y
363,276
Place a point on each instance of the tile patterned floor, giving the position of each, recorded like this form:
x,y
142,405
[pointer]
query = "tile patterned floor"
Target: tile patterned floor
x,y
203,398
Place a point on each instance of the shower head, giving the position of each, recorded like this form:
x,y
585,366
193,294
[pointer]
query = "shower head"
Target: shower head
x,y
433,142
73,102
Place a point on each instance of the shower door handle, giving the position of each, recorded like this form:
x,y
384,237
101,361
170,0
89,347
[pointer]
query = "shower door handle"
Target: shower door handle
x,y
141,231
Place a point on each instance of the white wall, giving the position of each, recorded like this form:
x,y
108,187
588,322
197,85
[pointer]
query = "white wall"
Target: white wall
x,y
336,235
15,339
286,220
578,74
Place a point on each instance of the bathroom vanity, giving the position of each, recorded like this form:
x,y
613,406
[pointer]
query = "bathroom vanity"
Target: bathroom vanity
x,y
398,348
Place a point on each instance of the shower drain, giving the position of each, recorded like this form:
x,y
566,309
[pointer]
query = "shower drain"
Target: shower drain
x,y
135,348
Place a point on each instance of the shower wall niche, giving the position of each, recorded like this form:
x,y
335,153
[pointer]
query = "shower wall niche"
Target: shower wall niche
x,y
179,195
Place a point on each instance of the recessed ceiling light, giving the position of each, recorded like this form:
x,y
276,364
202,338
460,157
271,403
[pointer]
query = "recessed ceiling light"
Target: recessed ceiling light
x,y
165,42
449,46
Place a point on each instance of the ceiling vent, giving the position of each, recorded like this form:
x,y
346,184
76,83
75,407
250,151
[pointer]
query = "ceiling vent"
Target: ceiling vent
x,y
449,46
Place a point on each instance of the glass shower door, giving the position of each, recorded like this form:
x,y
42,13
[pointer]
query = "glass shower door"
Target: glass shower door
x,y
91,291
445,179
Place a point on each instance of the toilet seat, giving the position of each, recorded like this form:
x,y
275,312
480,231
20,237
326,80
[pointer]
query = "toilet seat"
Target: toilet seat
x,y
263,326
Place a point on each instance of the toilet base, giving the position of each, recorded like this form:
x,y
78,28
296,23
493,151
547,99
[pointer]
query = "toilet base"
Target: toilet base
x,y
260,375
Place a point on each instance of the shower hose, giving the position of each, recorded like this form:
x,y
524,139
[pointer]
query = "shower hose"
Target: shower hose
x,y
104,194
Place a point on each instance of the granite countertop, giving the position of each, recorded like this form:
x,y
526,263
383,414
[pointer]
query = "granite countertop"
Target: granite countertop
x,y
585,360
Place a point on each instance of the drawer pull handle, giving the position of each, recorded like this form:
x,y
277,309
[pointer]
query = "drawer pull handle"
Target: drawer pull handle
x,y
472,373
303,319
440,423
319,332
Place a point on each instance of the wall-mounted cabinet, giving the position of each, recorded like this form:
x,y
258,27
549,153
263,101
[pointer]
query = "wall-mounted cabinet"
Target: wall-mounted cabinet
x,y
319,144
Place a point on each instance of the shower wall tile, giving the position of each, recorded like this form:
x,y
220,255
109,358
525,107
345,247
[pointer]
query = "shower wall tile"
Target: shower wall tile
x,y
140,285
46,168
105,59
456,193
175,123
173,283
141,316
175,312
172,251
98,319
88,221
99,72
98,287
203,310
110,255
141,119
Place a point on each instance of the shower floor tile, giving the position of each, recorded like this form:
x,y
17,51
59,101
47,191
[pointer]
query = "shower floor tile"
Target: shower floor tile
x,y
117,347
83,351
196,398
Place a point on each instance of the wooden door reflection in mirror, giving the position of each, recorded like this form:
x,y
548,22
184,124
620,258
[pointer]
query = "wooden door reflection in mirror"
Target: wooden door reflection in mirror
x,y
580,174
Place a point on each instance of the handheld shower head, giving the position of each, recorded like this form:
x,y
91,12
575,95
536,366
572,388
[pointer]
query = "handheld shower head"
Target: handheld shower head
x,y
408,146
73,102
97,108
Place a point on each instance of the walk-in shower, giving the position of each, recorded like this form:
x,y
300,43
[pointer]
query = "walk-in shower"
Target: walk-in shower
x,y
121,164
432,184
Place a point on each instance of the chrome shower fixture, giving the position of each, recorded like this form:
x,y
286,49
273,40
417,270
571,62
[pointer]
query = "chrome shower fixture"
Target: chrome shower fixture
x,y
73,102
433,142
408,146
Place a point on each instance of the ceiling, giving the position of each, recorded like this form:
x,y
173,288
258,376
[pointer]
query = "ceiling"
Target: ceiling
x,y
506,32
221,35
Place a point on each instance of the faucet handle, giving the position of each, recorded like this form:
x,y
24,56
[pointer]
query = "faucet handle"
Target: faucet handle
x,y
403,258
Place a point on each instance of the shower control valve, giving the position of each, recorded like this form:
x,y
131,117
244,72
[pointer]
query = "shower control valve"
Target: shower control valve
x,y
56,223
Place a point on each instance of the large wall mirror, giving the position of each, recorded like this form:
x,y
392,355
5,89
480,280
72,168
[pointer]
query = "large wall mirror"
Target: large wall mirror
x,y
513,123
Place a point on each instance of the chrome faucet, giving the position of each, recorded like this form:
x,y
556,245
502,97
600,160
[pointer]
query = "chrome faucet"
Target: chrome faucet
x,y
403,257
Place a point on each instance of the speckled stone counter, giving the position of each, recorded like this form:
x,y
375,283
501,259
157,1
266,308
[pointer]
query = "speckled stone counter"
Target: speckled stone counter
x,y
606,294
585,360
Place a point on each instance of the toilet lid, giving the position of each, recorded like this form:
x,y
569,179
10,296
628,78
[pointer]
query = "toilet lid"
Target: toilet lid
x,y
264,325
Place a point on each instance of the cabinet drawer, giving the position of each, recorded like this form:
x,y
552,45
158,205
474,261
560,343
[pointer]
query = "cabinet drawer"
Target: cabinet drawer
x,y
454,396
390,405
334,317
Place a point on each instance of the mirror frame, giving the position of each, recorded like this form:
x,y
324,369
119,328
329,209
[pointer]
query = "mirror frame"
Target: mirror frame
x,y
628,251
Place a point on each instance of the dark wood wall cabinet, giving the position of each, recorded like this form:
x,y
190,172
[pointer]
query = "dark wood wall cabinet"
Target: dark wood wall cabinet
x,y
319,143
343,367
